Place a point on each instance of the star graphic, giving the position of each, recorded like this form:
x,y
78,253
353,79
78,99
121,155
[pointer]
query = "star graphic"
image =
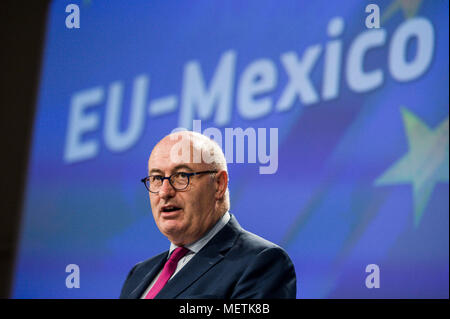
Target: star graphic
x,y
425,164
409,8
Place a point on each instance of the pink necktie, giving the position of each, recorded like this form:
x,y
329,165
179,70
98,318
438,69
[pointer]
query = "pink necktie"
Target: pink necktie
x,y
167,272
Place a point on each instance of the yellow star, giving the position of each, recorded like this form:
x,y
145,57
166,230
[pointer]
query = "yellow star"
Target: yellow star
x,y
409,8
425,164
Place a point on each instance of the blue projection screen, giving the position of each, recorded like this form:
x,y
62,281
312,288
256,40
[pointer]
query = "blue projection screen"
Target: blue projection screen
x,y
342,157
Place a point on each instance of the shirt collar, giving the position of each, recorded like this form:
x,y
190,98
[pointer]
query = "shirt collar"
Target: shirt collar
x,y
195,247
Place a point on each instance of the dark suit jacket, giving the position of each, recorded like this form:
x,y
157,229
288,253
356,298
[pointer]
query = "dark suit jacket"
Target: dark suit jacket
x,y
234,264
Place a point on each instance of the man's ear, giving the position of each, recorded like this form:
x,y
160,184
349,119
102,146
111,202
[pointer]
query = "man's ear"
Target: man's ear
x,y
221,184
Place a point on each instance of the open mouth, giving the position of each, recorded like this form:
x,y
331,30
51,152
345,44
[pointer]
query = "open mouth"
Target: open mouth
x,y
170,209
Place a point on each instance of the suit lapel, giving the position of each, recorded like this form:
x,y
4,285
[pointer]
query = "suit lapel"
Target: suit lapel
x,y
153,271
206,258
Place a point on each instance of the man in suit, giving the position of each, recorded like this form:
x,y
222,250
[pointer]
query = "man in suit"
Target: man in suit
x,y
210,255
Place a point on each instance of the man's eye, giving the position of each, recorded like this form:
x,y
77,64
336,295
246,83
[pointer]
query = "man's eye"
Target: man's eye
x,y
182,174
156,178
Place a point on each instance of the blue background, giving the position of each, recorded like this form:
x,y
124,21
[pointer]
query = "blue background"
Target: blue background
x,y
322,205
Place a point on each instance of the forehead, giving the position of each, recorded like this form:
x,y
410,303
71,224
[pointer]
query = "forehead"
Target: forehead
x,y
171,154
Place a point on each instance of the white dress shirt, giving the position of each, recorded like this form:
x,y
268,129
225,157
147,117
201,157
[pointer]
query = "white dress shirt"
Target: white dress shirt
x,y
193,249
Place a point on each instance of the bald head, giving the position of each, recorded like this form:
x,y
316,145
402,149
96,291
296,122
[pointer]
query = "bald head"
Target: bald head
x,y
192,147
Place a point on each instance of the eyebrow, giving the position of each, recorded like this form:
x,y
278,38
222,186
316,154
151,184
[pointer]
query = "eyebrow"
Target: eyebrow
x,y
176,168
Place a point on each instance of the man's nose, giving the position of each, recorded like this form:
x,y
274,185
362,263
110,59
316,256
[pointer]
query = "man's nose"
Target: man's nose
x,y
166,190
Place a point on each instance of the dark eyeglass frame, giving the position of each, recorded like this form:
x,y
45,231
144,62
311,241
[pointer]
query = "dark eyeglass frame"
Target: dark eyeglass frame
x,y
145,179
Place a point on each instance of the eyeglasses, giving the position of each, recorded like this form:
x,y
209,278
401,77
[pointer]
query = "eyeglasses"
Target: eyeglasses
x,y
179,181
